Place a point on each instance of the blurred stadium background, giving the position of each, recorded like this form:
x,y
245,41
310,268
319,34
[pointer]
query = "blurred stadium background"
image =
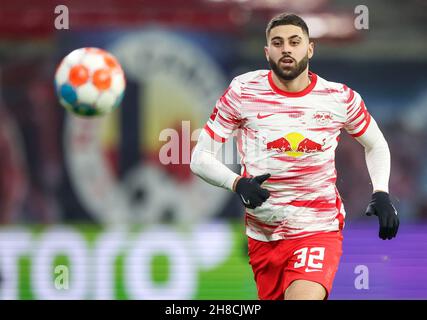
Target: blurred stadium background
x,y
92,195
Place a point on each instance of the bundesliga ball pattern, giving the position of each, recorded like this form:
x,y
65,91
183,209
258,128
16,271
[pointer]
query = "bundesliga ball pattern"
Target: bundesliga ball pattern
x,y
90,82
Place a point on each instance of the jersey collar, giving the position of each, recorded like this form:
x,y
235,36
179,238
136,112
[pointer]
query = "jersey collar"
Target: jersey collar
x,y
302,93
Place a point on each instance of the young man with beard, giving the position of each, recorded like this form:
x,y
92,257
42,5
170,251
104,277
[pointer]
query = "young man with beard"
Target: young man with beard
x,y
288,120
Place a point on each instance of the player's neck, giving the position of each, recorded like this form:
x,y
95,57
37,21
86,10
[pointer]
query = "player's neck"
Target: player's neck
x,y
296,85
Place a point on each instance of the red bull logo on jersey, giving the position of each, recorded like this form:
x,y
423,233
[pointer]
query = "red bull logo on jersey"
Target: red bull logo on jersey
x,y
294,144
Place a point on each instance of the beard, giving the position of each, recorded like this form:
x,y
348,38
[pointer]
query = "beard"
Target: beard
x,y
289,73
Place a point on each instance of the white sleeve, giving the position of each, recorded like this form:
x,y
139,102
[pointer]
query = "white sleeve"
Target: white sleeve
x,y
377,155
205,164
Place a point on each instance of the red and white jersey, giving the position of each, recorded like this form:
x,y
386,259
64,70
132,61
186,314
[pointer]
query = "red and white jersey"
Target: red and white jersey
x,y
292,136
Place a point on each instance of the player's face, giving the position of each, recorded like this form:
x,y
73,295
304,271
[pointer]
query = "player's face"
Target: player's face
x,y
288,51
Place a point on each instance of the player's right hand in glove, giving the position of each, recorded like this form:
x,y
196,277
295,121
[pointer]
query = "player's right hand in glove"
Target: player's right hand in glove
x,y
382,207
250,191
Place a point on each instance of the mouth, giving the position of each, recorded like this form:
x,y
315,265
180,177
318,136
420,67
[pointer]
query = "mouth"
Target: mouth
x,y
287,62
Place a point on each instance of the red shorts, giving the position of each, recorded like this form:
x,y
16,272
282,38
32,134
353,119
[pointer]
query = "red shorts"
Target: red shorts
x,y
276,264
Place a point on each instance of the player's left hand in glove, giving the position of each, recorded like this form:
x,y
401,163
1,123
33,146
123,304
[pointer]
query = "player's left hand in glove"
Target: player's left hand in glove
x,y
250,191
382,207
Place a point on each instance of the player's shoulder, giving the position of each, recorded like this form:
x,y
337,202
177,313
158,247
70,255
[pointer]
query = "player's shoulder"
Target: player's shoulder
x,y
331,86
338,90
252,77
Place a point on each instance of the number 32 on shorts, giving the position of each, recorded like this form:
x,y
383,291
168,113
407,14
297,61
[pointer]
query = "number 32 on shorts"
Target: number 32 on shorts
x,y
315,254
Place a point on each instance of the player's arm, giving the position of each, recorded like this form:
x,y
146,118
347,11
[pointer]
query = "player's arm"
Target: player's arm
x,y
224,120
205,165
377,155
365,130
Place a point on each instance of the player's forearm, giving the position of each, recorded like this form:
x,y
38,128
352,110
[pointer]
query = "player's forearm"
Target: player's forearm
x,y
377,155
378,163
205,165
211,170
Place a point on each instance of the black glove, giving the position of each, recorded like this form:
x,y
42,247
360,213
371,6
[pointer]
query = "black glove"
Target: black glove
x,y
382,207
250,191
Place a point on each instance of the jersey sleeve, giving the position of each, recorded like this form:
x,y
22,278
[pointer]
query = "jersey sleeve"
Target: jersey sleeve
x,y
358,117
225,117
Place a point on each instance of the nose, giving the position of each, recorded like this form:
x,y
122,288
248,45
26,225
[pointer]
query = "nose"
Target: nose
x,y
286,48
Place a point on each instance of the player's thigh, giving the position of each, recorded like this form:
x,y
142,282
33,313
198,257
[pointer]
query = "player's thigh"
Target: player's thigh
x,y
305,290
268,265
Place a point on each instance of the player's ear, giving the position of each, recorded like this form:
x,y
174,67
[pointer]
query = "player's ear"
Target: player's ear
x,y
310,49
266,52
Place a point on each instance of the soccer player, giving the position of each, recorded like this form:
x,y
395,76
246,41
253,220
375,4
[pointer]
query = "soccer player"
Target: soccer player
x,y
288,120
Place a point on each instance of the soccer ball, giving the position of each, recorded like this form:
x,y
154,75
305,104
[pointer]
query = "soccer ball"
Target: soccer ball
x,y
90,82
